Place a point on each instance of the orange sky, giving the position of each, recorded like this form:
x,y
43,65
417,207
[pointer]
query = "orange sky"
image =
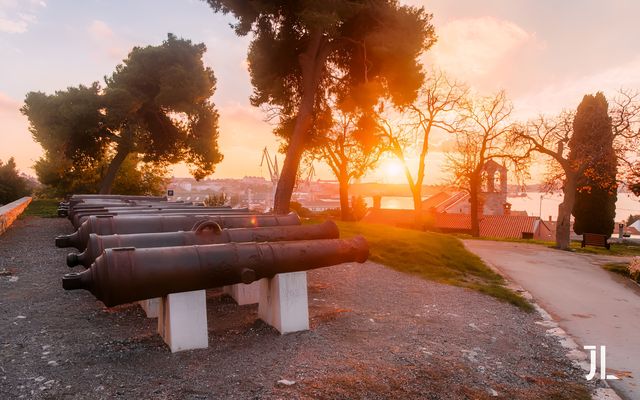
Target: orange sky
x,y
546,54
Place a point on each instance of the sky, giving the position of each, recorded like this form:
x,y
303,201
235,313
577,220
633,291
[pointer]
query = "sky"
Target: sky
x,y
546,54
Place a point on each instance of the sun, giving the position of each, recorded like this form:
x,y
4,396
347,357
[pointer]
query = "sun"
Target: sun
x,y
391,170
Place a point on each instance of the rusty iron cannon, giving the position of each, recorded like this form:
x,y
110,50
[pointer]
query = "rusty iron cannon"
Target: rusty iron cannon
x,y
80,217
125,224
125,274
206,232
110,198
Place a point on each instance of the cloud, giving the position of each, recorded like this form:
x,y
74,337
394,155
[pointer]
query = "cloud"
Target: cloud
x,y
99,30
471,48
17,16
106,41
568,93
15,130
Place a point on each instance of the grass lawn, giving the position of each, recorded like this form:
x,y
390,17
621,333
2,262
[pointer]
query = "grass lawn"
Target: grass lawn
x,y
433,256
47,208
617,249
618,268
622,268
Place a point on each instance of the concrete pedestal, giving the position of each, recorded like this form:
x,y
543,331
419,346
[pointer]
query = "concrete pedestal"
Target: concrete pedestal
x,y
283,302
244,294
150,307
182,320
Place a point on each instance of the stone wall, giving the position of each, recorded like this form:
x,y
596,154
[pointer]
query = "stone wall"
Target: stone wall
x,y
11,211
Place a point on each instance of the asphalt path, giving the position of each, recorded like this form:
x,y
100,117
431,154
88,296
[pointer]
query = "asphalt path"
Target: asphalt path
x,y
594,306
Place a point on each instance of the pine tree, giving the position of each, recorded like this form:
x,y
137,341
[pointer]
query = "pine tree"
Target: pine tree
x,y
592,146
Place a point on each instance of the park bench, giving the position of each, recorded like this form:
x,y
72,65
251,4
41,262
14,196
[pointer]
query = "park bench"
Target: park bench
x,y
595,239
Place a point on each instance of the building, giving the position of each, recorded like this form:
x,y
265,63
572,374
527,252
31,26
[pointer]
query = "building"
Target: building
x,y
450,211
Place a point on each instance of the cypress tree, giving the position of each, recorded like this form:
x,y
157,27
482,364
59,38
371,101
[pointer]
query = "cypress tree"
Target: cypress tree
x,y
591,148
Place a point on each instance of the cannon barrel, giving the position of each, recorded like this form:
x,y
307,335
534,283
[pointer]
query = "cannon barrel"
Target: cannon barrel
x,y
79,198
123,224
205,233
80,217
125,274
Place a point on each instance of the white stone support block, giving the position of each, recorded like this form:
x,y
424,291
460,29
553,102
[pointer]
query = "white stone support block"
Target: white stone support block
x,y
151,307
244,294
284,303
182,320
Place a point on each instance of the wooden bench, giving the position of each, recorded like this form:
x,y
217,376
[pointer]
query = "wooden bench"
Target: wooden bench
x,y
595,239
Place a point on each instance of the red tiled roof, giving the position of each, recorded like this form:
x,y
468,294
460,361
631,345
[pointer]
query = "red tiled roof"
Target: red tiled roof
x,y
390,216
452,222
506,226
435,200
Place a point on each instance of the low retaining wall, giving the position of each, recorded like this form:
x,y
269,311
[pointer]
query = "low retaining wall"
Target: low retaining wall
x,y
11,211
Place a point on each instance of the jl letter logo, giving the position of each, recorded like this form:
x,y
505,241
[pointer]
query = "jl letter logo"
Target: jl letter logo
x,y
603,363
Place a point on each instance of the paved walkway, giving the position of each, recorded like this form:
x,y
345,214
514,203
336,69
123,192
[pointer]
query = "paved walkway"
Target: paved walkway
x,y
594,306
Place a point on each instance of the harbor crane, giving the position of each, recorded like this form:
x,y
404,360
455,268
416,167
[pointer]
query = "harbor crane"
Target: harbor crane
x,y
274,172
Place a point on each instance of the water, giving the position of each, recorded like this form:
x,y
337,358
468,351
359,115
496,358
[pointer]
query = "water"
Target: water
x,y
627,204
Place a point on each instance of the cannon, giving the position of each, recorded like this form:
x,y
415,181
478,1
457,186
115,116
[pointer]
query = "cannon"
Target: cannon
x,y
125,274
123,224
82,198
206,232
80,217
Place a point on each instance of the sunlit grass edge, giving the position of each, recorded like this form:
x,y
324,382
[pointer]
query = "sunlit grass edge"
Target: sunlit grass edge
x,y
47,208
433,256
617,249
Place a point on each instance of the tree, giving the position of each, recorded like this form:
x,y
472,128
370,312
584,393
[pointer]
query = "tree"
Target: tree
x,y
631,219
156,105
438,98
482,135
368,49
216,200
12,185
64,177
551,136
350,148
591,145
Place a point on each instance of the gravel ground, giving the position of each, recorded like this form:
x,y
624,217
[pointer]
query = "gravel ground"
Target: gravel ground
x,y
375,333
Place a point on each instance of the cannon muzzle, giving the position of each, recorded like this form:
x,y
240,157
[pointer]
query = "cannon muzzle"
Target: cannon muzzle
x,y
65,241
123,275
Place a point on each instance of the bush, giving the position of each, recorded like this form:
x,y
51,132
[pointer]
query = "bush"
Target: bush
x,y
12,185
302,212
216,200
634,269
358,208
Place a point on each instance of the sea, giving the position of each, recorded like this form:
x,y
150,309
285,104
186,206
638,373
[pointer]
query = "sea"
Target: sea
x,y
537,204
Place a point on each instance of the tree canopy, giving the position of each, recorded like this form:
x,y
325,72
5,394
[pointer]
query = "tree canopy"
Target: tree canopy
x,y
591,145
12,185
155,105
305,52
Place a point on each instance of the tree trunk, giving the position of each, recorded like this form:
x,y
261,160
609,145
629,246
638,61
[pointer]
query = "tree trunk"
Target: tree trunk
x,y
563,226
474,187
416,192
345,210
112,171
311,62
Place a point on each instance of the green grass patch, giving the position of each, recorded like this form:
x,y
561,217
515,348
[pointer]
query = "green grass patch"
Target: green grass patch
x,y
619,268
47,208
616,249
433,256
